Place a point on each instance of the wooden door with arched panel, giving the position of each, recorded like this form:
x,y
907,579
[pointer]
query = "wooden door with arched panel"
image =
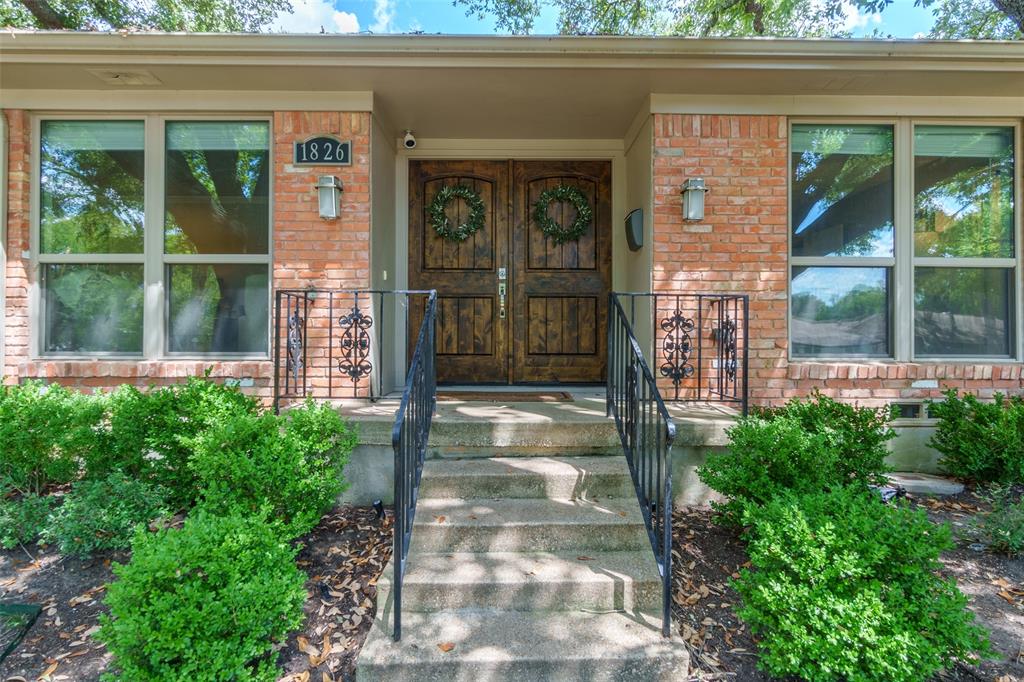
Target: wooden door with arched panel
x,y
472,335
560,290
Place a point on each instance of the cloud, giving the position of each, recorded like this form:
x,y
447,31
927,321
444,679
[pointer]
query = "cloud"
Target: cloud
x,y
854,19
309,16
383,16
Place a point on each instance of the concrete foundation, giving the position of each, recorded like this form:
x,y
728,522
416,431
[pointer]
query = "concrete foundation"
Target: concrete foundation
x,y
467,429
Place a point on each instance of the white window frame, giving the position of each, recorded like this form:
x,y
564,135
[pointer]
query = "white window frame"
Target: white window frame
x,y
155,261
903,262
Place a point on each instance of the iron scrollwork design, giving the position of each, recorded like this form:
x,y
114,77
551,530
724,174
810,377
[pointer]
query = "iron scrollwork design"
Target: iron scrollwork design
x,y
355,343
294,360
677,347
725,337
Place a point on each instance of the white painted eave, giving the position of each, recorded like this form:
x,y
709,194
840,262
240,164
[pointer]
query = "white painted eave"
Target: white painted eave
x,y
491,51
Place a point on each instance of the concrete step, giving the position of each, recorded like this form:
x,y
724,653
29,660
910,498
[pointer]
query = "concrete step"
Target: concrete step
x,y
534,581
483,429
488,645
522,525
528,477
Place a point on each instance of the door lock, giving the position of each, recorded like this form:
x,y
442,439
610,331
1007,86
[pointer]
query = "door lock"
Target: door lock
x,y
502,292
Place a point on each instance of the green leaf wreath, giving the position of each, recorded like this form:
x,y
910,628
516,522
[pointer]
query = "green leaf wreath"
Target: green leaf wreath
x,y
439,218
560,234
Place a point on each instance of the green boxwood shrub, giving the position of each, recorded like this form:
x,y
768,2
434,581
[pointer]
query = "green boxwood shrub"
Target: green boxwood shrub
x,y
845,587
45,431
805,446
22,518
290,465
1002,528
103,514
980,441
206,603
150,432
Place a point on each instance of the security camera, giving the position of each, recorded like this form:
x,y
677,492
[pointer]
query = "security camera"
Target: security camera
x,y
409,140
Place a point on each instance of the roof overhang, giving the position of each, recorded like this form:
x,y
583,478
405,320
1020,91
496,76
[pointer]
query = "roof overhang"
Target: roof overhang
x,y
504,87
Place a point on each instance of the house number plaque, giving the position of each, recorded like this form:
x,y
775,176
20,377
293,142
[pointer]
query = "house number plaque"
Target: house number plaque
x,y
323,150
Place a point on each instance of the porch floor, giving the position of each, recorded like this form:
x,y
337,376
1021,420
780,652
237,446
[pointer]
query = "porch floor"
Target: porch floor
x,y
579,424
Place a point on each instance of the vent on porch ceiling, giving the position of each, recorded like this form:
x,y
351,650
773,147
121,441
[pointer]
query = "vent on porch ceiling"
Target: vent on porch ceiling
x,y
125,78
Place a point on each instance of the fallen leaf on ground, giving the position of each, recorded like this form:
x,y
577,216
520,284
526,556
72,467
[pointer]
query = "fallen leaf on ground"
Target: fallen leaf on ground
x,y
446,646
49,671
307,648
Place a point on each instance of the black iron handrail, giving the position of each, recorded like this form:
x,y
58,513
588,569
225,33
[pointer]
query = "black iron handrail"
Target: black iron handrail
x,y
700,343
409,438
646,431
329,343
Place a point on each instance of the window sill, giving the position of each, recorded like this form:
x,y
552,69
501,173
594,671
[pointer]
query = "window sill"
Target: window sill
x,y
137,368
957,360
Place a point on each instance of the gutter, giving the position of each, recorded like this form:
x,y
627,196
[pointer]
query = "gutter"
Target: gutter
x,y
411,50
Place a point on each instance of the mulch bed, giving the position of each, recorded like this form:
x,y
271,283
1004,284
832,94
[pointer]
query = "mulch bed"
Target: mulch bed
x,y
705,556
343,558
345,554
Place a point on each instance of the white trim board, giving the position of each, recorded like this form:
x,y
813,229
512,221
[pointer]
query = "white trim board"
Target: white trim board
x,y
837,105
170,101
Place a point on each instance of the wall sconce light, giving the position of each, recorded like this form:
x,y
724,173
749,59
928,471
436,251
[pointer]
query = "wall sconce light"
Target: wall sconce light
x,y
329,189
693,199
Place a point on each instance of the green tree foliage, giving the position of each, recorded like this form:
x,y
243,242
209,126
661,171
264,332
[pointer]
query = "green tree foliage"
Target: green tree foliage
x,y
708,18
163,15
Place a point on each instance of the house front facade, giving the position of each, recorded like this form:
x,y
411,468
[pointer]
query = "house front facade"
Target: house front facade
x,y
851,208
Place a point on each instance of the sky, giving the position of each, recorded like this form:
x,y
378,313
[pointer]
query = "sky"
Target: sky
x,y
901,19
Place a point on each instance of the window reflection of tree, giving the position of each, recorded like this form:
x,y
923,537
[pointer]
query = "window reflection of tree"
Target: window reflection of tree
x,y
216,202
855,197
968,213
855,322
851,193
91,200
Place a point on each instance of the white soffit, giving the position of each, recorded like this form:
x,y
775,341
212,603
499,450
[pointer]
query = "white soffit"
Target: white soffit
x,y
511,87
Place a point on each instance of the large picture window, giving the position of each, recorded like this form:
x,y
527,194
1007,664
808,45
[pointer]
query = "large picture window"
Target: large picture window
x,y
154,237
928,270
843,239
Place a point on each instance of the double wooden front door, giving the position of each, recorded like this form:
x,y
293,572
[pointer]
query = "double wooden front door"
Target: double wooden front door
x,y
514,306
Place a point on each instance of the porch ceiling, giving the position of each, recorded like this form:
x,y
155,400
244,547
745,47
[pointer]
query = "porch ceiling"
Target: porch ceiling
x,y
473,87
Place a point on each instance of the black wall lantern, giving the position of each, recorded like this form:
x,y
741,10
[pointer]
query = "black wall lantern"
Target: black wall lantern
x,y
635,229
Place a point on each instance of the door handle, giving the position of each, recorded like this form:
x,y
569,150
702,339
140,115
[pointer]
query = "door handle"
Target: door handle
x,y
502,291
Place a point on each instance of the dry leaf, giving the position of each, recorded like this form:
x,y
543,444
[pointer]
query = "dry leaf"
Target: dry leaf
x,y
446,646
49,671
584,558
1007,596
307,648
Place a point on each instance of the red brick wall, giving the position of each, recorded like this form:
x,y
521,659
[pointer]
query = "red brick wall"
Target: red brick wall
x,y
307,251
15,321
741,247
